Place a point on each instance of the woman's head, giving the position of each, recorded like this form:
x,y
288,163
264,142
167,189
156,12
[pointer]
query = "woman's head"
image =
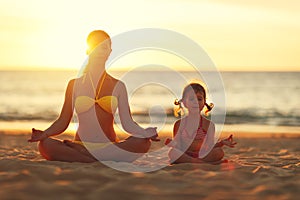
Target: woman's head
x,y
194,98
99,49
96,38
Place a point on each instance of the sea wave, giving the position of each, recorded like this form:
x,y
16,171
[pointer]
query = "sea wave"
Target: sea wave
x,y
20,116
245,116
251,98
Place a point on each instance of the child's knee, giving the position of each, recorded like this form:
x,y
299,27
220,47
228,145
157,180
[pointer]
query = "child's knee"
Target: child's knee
x,y
218,153
172,154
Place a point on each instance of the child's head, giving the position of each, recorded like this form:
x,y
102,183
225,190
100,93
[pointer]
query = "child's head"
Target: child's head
x,y
194,99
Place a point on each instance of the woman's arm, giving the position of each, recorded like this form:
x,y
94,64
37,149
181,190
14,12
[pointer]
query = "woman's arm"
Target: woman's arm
x,y
62,122
127,122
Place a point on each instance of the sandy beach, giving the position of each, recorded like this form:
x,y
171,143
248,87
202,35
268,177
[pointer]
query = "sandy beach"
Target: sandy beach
x,y
105,65
260,167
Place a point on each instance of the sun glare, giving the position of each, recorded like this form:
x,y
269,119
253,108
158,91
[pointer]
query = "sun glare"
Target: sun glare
x,y
235,35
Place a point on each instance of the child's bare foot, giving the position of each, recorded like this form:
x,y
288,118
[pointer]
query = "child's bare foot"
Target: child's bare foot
x,y
225,161
200,161
216,162
197,160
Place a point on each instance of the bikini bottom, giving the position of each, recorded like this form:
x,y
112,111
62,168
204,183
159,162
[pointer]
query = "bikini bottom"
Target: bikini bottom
x,y
93,145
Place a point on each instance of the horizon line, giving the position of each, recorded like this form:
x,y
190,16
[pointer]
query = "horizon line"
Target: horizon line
x,y
121,69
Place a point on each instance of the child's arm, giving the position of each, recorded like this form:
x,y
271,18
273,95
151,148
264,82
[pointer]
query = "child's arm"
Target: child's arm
x,y
176,128
171,142
175,153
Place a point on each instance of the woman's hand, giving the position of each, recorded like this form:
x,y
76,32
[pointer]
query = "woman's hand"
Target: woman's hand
x,y
37,135
228,142
151,131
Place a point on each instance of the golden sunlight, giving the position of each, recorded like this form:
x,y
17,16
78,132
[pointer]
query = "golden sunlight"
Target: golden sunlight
x,y
249,36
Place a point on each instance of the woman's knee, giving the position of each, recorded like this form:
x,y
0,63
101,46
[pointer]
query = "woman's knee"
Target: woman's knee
x,y
144,145
45,148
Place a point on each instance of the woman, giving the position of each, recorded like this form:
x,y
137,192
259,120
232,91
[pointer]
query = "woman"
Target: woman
x,y
95,97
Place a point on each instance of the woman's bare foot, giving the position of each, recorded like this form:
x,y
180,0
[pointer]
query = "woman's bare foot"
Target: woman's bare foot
x,y
77,147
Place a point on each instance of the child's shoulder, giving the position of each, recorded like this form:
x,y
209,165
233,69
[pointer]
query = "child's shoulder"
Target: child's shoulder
x,y
205,120
178,125
179,121
207,123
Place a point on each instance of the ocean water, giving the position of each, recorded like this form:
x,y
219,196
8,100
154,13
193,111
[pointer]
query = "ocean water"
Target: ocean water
x,y
261,98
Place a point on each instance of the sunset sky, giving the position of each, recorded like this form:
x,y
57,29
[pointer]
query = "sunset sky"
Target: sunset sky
x,y
237,35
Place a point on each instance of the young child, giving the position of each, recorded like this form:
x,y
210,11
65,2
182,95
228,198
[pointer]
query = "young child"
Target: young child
x,y
194,135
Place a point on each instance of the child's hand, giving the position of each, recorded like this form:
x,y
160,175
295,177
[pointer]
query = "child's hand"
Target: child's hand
x,y
229,142
37,135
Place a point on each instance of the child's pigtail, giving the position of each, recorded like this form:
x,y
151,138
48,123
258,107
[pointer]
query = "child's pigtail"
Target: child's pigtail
x,y
178,112
209,107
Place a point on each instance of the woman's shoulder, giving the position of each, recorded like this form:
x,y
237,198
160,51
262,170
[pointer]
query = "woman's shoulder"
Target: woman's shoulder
x,y
118,85
72,81
80,78
114,80
111,77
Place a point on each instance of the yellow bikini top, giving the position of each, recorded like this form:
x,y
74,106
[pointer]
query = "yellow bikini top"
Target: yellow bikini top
x,y
107,103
